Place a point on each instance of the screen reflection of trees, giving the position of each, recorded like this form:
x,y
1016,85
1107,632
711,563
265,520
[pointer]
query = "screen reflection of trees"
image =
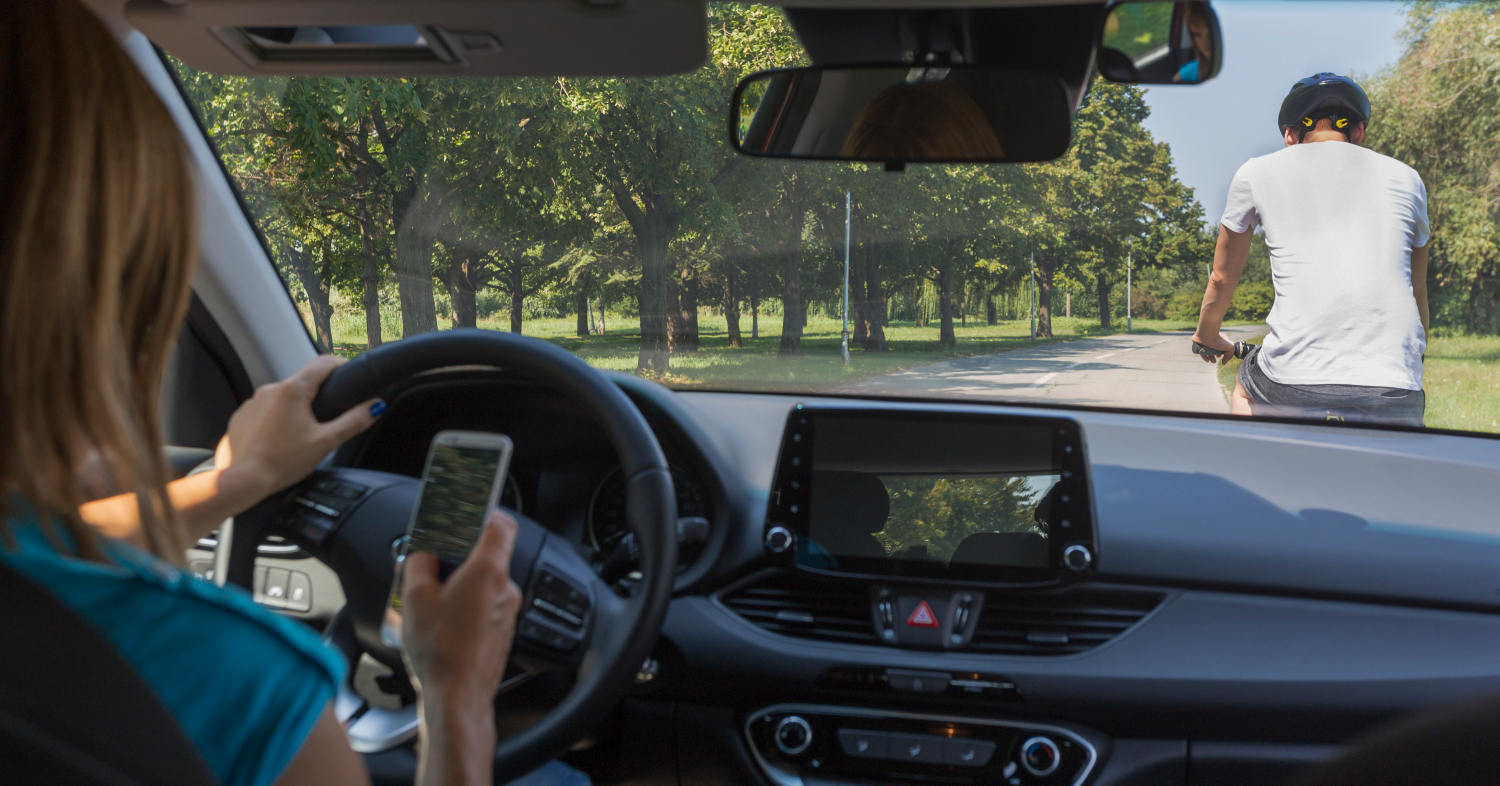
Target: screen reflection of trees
x,y
931,516
453,501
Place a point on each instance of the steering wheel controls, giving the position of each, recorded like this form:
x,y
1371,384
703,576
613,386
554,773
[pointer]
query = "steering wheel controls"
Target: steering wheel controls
x,y
316,507
558,613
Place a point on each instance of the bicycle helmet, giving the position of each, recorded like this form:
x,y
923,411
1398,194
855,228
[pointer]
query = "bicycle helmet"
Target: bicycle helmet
x,y
1323,95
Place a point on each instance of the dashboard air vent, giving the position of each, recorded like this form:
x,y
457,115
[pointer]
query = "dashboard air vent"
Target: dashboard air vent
x,y
806,608
1055,622
1061,622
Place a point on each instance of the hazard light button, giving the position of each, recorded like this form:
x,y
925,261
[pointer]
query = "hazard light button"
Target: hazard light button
x,y
923,617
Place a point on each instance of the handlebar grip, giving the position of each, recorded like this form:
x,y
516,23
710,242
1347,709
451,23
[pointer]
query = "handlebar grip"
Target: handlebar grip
x,y
1241,349
1201,349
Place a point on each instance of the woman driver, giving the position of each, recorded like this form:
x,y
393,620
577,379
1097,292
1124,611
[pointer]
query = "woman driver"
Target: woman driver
x,y
96,259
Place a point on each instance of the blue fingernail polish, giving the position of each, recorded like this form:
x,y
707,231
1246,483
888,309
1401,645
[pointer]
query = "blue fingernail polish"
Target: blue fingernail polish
x,y
377,408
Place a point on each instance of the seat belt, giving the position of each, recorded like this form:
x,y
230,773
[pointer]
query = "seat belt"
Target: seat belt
x,y
72,710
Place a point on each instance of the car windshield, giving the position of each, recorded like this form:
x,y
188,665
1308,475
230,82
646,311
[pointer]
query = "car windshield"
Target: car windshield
x,y
612,217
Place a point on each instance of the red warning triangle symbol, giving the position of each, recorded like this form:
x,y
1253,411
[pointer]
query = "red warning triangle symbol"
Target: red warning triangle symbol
x,y
922,617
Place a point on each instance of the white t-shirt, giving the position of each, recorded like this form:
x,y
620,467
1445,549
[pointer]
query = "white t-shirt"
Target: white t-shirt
x,y
1340,222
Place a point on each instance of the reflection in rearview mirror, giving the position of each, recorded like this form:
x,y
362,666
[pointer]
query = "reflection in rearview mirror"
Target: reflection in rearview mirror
x,y
1160,43
901,114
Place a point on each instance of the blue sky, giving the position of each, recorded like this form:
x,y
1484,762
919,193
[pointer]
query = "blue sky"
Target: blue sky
x,y
1268,45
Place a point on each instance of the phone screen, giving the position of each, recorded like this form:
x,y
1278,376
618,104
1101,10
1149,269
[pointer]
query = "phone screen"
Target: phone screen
x,y
459,488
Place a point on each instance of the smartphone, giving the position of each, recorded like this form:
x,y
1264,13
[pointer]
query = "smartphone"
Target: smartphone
x,y
461,483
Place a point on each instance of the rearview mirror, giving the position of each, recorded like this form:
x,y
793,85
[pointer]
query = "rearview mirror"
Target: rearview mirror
x,y
901,114
1155,43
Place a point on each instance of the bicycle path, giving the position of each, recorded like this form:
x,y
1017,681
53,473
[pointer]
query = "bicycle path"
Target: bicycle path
x,y
1142,370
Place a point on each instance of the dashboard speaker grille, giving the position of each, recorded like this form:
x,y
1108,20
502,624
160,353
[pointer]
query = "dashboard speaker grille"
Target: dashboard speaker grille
x,y
798,606
1057,622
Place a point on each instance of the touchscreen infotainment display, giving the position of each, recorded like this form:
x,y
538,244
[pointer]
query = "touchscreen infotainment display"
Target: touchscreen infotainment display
x,y
974,498
973,519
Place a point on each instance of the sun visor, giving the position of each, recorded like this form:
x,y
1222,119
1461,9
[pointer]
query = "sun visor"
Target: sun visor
x,y
431,38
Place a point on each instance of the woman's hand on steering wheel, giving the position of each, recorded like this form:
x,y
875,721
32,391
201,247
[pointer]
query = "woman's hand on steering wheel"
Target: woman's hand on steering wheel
x,y
457,636
274,440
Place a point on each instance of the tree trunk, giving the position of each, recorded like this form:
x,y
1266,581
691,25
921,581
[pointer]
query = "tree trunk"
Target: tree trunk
x,y
603,327
755,302
465,307
517,296
1044,297
685,324
732,311
413,262
989,309
317,296
1471,309
859,331
874,301
945,309
369,276
1102,287
581,305
463,278
793,313
658,301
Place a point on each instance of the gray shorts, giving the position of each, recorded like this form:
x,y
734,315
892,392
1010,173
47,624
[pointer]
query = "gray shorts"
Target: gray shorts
x,y
1351,403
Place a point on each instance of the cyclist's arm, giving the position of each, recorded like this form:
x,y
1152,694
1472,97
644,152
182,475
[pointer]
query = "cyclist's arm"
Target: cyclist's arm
x,y
1419,283
1230,254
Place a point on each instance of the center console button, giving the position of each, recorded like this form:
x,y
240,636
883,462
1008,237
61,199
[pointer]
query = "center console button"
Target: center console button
x,y
918,681
1040,756
793,735
865,744
916,747
967,753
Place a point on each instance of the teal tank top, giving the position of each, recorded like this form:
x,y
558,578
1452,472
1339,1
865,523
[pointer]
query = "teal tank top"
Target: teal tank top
x,y
245,685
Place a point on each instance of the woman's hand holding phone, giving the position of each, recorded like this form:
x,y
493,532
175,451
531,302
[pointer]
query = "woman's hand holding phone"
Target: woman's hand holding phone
x,y
457,637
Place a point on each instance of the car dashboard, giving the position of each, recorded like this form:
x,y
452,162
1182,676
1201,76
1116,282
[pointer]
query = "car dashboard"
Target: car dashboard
x,y
1257,595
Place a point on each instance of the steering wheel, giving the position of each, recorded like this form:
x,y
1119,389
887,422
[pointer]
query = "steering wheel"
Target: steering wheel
x,y
571,620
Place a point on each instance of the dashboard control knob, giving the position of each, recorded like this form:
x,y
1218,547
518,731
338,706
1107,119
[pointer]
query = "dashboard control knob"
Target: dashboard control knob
x,y
779,539
1040,756
793,735
1077,557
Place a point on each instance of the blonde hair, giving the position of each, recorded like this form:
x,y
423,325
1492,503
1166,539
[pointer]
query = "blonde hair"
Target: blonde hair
x,y
925,121
96,259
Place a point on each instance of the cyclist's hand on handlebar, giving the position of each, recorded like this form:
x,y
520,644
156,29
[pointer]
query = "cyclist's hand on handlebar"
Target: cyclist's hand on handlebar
x,y
1219,342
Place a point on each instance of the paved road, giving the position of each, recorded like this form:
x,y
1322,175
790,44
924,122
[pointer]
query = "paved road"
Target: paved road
x,y
1146,371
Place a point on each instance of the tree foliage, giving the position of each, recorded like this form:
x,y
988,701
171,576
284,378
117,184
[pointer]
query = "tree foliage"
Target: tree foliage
x,y
1435,110
574,189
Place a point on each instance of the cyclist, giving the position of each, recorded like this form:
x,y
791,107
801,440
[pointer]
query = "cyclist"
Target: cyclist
x,y
1347,232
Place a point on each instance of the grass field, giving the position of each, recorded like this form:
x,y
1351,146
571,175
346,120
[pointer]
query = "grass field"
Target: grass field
x,y
1462,380
1463,383
1462,372
756,366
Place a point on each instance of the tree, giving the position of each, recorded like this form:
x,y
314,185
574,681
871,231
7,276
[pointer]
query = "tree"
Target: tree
x,y
656,146
1434,110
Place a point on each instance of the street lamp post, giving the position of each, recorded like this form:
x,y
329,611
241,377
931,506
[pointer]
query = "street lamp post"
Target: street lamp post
x,y
1128,244
846,279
